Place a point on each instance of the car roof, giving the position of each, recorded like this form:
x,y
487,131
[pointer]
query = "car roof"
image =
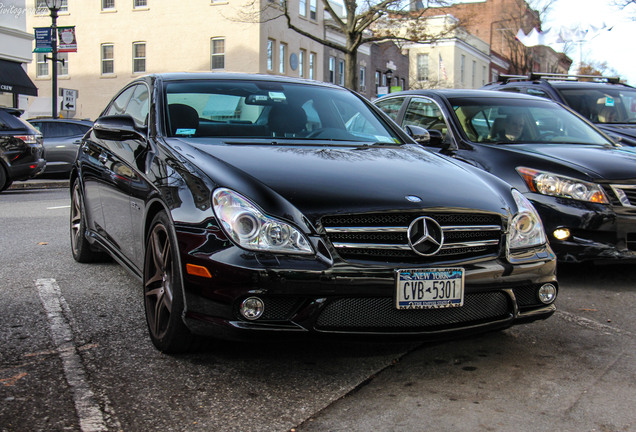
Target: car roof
x,y
454,93
65,120
585,84
207,76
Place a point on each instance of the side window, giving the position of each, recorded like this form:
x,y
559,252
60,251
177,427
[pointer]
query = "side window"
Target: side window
x,y
427,114
511,89
391,106
537,92
119,104
61,129
138,106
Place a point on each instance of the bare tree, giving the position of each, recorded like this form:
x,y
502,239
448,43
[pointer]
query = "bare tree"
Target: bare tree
x,y
371,21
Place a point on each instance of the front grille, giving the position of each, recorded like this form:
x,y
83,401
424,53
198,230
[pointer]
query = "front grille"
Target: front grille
x,y
380,314
384,237
624,195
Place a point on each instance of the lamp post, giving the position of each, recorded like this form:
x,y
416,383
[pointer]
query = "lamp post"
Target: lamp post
x,y
54,6
389,77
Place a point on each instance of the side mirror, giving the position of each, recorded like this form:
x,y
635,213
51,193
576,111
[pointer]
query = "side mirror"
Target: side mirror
x,y
419,134
437,138
118,128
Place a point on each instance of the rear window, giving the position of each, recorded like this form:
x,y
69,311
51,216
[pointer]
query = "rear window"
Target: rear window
x,y
10,122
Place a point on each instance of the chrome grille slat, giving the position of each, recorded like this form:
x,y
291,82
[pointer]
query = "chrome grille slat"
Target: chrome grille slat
x,y
626,194
407,247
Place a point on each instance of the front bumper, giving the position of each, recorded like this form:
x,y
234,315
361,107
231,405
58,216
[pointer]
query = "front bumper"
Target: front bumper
x,y
308,295
599,232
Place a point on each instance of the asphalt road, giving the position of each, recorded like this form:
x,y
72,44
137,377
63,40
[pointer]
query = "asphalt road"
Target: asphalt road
x,y
75,357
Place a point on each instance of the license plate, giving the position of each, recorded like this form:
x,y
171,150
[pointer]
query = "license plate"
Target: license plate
x,y
429,288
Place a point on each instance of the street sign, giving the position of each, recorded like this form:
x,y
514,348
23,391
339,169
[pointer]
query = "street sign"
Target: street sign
x,y
69,97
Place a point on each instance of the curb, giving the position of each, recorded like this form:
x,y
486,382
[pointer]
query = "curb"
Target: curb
x,y
39,184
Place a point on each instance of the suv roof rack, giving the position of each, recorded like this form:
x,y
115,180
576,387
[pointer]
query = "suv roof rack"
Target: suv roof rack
x,y
535,76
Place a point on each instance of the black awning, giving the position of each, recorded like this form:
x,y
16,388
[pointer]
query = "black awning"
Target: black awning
x,y
13,79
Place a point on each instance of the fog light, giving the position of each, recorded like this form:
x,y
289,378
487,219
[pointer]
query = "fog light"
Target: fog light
x,y
252,308
561,234
547,293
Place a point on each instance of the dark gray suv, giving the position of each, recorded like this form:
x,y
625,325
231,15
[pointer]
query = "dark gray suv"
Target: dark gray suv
x,y
21,150
605,101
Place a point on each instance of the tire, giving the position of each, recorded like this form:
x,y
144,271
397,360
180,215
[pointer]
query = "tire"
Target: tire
x,y
4,179
163,294
80,247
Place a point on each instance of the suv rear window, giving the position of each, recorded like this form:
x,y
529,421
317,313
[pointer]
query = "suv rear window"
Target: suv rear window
x,y
10,122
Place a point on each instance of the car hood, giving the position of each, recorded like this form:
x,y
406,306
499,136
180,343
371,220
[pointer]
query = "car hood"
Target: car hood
x,y
595,161
626,131
339,179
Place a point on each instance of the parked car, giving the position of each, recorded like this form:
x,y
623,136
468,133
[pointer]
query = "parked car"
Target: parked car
x,y
62,138
21,151
582,183
246,206
604,101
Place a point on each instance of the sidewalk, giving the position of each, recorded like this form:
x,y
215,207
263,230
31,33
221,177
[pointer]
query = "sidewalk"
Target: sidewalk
x,y
40,184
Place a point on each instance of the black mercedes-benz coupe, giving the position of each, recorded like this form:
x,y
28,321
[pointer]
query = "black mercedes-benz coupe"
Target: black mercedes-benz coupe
x,y
582,183
254,204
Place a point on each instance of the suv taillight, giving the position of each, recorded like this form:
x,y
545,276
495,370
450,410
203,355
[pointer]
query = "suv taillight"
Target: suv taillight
x,y
28,139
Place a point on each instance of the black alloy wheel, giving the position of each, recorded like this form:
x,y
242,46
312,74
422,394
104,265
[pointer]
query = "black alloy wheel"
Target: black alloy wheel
x,y
162,290
81,248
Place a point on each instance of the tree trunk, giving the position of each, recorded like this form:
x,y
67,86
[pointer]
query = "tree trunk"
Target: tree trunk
x,y
351,70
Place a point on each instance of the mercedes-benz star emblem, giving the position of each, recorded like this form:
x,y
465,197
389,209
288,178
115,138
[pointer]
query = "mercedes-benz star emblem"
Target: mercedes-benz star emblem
x,y
425,236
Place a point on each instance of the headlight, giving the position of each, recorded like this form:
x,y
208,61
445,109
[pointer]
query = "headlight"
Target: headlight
x,y
248,227
547,183
526,228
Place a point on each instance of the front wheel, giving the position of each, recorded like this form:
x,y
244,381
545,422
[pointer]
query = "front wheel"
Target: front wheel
x,y
163,295
81,248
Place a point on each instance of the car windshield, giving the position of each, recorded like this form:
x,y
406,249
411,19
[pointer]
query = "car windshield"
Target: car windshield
x,y
271,110
515,121
603,105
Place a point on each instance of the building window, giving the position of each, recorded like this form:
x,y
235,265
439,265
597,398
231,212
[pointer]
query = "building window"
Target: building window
x,y
282,56
402,84
108,59
302,8
312,9
474,73
377,79
302,58
139,57
108,4
312,65
384,80
462,68
270,54
422,67
218,53
42,9
62,67
42,66
363,78
483,75
332,69
140,3
341,72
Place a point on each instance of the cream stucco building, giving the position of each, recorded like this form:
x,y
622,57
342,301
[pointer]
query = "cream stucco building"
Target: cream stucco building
x,y
456,59
118,40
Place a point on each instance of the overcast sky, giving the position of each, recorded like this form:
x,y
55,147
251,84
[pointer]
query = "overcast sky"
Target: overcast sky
x,y
614,46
